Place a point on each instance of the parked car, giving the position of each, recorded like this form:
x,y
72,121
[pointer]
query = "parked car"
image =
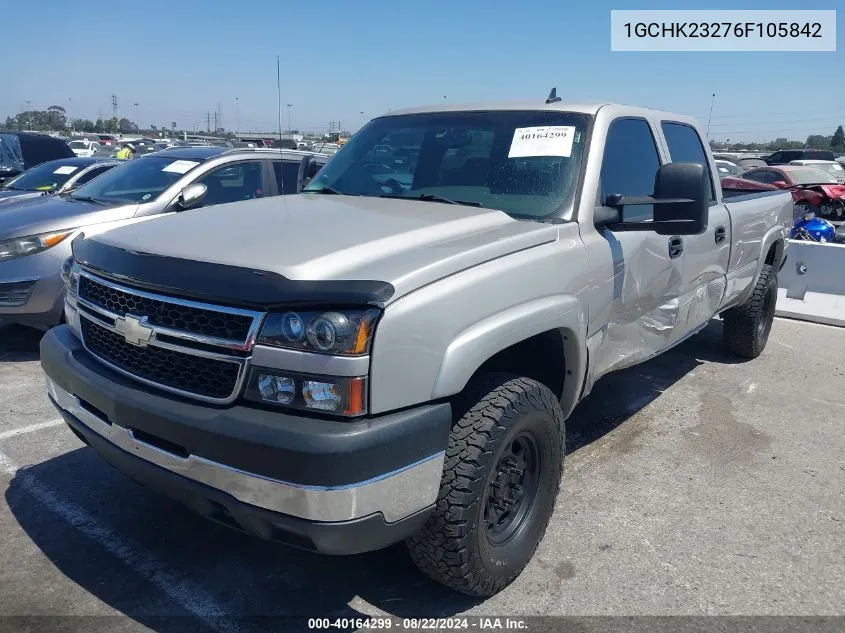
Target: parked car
x,y
20,151
54,176
376,361
81,147
830,166
109,140
813,190
728,168
36,237
786,156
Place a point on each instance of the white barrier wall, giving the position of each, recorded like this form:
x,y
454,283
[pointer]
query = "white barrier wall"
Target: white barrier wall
x,y
811,285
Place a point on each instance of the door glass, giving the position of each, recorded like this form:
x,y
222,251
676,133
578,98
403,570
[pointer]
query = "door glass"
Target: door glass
x,y
287,175
685,147
231,183
629,165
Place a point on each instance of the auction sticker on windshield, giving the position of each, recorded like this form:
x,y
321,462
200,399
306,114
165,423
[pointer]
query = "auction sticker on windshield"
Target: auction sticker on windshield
x,y
181,166
547,140
65,169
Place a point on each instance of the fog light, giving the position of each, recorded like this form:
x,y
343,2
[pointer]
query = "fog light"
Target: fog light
x,y
325,396
279,389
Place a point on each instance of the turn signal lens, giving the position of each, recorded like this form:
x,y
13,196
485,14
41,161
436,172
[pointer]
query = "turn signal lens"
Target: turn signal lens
x,y
330,394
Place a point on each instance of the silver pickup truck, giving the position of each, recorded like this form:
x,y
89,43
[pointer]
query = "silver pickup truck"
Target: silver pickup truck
x,y
392,354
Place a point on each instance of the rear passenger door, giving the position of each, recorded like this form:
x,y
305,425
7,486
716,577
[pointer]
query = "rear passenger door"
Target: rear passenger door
x,y
706,256
648,268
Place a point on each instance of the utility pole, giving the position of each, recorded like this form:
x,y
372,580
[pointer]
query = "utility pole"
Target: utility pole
x,y
137,121
208,121
710,116
114,106
289,106
215,121
237,119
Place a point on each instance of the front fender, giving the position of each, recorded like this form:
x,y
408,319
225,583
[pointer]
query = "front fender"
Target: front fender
x,y
472,347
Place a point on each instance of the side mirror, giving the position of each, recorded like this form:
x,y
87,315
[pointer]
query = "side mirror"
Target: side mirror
x,y
192,195
781,184
681,202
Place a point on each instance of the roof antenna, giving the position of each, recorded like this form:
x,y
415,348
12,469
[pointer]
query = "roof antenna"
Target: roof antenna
x,y
553,98
281,152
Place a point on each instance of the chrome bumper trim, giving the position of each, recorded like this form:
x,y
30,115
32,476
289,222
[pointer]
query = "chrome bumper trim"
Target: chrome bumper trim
x,y
395,494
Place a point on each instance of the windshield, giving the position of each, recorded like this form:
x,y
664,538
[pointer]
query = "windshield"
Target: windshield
x,y
728,169
523,163
834,169
809,176
79,144
140,180
44,177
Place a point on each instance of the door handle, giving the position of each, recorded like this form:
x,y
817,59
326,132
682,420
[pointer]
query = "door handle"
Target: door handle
x,y
720,234
676,247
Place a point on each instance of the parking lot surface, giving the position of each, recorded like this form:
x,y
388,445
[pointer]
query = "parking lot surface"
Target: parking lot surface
x,y
694,484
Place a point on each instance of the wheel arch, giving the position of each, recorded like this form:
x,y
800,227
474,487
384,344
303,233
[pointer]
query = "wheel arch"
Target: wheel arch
x,y
543,339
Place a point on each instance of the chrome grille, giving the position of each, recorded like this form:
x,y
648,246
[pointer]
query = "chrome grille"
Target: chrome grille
x,y
206,377
201,321
193,349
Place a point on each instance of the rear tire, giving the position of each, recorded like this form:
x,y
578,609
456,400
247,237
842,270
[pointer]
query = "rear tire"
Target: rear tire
x,y
746,328
501,477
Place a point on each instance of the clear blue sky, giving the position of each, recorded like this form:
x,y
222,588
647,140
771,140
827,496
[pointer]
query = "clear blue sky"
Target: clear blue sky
x,y
179,59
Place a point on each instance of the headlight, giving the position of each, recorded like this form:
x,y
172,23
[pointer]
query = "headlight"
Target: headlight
x,y
341,332
326,394
70,274
20,246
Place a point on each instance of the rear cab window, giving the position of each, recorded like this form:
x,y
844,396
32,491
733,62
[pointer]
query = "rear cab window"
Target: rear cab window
x,y
685,146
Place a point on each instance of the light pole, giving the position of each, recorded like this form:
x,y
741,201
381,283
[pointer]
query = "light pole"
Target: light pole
x,y
137,124
362,118
290,105
710,116
29,114
68,118
237,119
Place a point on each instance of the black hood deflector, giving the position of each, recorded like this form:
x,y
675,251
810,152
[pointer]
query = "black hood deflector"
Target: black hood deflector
x,y
219,283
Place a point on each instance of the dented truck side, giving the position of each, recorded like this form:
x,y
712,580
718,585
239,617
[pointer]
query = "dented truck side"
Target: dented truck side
x,y
454,315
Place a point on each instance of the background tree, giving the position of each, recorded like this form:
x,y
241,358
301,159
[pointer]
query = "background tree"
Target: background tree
x,y
837,141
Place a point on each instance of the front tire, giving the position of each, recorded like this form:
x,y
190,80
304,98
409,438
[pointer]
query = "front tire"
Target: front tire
x,y
501,477
746,328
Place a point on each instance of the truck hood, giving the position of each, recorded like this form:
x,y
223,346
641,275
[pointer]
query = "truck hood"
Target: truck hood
x,y
54,213
317,237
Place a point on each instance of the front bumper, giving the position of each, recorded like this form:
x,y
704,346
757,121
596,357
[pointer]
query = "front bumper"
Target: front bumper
x,y
31,288
332,486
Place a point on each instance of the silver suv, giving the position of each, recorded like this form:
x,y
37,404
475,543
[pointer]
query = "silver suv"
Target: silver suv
x,y
35,236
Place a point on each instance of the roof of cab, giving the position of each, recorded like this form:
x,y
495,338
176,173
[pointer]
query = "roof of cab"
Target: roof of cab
x,y
538,105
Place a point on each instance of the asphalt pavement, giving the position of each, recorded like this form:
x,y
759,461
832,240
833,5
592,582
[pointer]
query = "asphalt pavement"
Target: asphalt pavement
x,y
695,484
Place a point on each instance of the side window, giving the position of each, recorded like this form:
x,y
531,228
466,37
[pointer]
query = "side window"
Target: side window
x,y
777,156
685,147
629,165
97,171
287,175
231,183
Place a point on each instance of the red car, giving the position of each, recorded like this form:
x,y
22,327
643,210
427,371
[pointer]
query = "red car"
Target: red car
x,y
813,190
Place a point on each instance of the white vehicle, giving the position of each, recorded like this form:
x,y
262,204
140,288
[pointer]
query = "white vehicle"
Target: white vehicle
x,y
728,168
831,167
84,147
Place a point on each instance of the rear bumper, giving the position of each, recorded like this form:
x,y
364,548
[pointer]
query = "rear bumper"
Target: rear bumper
x,y
302,480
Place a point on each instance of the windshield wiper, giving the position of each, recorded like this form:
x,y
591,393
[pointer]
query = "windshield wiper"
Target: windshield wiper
x,y
432,197
88,199
329,190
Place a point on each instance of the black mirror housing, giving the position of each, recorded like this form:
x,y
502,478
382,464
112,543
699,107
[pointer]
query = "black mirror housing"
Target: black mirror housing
x,y
681,202
682,181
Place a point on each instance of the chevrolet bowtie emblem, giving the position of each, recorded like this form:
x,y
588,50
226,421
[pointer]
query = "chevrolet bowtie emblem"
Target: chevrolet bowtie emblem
x,y
134,329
